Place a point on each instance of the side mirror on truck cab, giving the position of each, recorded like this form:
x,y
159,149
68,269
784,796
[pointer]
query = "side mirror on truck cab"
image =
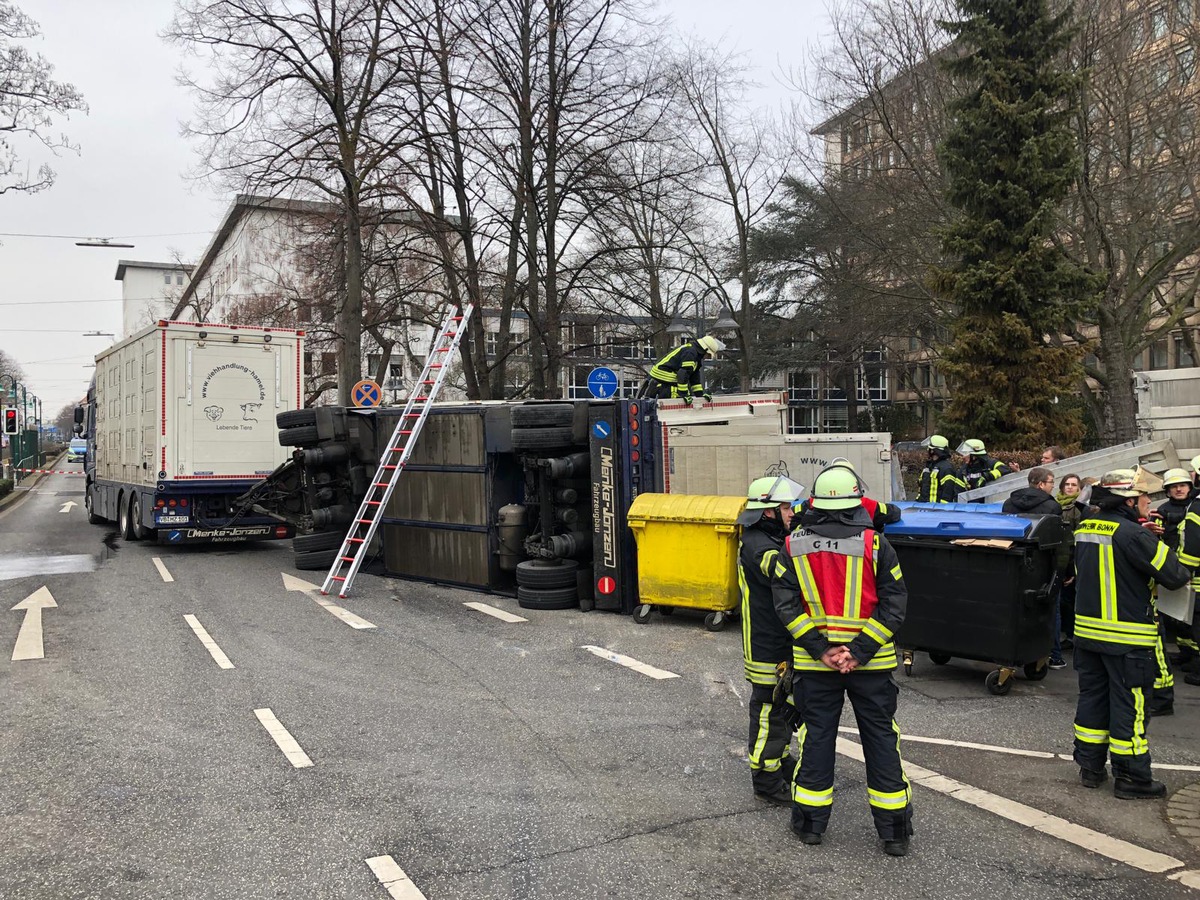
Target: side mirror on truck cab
x,y
78,429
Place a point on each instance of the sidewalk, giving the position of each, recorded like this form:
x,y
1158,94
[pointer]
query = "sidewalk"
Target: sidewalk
x,y
19,492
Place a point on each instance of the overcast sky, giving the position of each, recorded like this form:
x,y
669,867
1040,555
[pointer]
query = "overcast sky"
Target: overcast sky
x,y
129,179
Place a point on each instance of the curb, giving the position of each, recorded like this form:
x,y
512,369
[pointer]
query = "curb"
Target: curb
x,y
1183,814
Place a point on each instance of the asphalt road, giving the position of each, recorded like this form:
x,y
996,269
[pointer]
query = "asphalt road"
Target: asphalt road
x,y
487,759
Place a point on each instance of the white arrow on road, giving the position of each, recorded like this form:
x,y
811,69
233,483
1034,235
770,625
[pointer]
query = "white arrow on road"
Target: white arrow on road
x,y
29,638
68,506
292,583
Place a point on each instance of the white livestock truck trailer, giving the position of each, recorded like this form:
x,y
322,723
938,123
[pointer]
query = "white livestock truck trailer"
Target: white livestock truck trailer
x,y
180,421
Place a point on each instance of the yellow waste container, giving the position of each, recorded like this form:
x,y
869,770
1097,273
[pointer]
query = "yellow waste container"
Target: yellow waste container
x,y
687,548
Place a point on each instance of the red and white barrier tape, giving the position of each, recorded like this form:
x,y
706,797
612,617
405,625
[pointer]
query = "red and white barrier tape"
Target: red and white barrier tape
x,y
50,471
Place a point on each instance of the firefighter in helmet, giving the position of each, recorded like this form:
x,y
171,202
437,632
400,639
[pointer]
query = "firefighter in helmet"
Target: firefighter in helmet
x,y
940,480
766,644
881,514
677,375
1189,555
980,468
1117,562
839,589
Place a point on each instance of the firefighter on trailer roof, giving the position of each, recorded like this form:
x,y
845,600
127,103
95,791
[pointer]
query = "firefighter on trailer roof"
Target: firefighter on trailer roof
x,y
839,589
766,644
677,375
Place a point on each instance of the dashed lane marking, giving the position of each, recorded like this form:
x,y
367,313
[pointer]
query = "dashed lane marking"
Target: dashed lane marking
x,y
394,879
494,612
209,644
1013,751
283,739
630,663
162,569
292,583
1064,830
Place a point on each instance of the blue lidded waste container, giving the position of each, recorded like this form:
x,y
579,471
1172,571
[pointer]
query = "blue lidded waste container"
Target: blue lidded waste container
x,y
982,585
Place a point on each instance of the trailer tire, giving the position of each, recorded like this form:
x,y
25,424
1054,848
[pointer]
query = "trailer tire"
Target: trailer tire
x,y
547,598
140,531
294,418
124,525
547,573
301,436
316,559
321,540
553,438
536,415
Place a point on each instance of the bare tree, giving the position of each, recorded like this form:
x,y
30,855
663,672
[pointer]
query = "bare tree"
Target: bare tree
x,y
1135,218
10,368
30,102
303,98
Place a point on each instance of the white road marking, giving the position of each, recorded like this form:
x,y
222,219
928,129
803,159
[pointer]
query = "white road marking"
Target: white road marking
x,y
629,662
292,583
1188,878
209,644
494,612
68,506
1012,751
29,643
399,886
162,569
1064,830
286,742
1035,754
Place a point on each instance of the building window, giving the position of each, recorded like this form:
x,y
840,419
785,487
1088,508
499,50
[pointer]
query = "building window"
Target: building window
x,y
577,386
834,418
874,388
179,278
874,356
1183,354
1158,354
803,386
328,363
1186,58
581,337
1183,12
1162,74
166,277
1158,24
491,343
803,420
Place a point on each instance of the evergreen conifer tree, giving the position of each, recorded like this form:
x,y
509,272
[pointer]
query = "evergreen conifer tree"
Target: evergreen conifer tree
x,y
1010,159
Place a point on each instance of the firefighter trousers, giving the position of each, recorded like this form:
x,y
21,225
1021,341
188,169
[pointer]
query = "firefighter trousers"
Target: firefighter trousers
x,y
819,699
1110,719
1164,681
771,728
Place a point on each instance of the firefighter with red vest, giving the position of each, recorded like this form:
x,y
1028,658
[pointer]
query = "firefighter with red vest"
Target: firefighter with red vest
x,y
839,590
881,514
766,644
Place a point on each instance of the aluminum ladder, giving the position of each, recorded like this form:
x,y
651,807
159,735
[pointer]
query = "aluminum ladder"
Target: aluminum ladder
x,y
399,449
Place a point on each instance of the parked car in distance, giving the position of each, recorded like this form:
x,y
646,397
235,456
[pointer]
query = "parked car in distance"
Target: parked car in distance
x,y
76,450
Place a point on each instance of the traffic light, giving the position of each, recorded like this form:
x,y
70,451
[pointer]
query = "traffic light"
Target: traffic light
x,y
10,421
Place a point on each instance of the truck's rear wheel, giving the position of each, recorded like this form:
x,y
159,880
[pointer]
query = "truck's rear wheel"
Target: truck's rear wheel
x,y
124,524
140,531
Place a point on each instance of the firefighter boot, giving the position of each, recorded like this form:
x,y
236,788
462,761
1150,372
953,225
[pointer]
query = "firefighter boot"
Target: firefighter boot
x,y
811,838
1128,789
1092,779
897,847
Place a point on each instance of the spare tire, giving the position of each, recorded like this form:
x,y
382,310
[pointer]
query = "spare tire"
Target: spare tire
x,y
547,598
547,573
552,438
534,415
293,418
321,540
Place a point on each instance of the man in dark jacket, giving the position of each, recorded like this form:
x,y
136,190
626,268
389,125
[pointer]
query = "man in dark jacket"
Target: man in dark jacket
x,y
766,643
1172,513
940,480
1037,499
839,589
677,375
980,468
1118,562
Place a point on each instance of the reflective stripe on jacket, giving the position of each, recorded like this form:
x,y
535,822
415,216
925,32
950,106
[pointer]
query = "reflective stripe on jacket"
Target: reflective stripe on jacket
x,y
1117,562
765,642
681,367
940,483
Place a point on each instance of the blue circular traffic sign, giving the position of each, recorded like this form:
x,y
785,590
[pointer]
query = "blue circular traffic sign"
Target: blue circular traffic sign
x,y
602,430
366,393
602,382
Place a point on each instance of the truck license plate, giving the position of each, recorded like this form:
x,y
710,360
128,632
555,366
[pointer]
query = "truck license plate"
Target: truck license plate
x,y
170,520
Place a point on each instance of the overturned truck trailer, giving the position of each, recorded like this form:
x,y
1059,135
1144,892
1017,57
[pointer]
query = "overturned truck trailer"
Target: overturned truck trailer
x,y
531,498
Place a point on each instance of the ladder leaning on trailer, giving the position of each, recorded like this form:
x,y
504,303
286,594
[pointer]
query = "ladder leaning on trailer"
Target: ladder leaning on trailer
x,y
396,455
